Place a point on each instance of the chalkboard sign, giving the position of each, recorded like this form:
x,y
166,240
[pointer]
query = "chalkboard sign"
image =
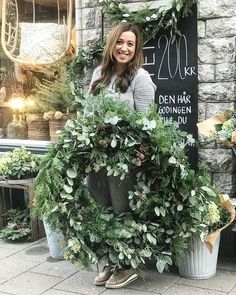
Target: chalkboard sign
x,y
172,64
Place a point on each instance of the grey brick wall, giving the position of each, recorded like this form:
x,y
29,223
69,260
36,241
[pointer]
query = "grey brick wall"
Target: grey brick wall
x,y
217,85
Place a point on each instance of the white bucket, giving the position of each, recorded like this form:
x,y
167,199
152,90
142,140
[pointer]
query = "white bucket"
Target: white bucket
x,y
198,262
56,242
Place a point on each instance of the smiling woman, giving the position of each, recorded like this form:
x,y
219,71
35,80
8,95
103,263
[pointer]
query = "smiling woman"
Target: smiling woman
x,y
121,71
123,77
124,50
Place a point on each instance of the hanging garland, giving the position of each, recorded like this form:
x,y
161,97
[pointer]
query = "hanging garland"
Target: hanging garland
x,y
150,21
168,204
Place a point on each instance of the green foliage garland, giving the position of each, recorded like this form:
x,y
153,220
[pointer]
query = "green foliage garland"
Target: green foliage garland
x,y
167,206
86,58
149,20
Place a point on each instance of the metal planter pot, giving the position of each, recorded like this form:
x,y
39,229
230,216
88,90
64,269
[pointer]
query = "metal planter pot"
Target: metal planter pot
x,y
56,241
198,262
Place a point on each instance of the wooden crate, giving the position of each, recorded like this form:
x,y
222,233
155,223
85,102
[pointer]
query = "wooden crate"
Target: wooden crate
x,y
37,229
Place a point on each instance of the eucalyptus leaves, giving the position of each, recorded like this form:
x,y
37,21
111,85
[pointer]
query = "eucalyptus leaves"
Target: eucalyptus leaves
x,y
167,205
19,164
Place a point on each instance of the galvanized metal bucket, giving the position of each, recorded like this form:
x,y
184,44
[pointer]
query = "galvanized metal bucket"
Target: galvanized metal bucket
x,y
56,242
198,262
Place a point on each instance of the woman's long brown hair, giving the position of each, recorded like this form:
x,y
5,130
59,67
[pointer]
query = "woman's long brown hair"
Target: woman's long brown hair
x,y
108,62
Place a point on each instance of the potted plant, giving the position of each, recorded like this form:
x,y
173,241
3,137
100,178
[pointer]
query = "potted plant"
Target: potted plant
x,y
57,121
46,208
200,259
221,128
38,127
19,164
226,132
53,98
18,225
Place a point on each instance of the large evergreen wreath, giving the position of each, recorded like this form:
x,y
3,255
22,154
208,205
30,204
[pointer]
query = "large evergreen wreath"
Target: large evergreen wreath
x,y
167,205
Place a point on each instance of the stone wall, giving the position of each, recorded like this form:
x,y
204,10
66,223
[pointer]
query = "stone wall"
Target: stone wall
x,y
217,42
217,85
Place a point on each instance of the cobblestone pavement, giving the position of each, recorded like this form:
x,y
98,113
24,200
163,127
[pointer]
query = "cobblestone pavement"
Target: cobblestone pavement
x,y
27,269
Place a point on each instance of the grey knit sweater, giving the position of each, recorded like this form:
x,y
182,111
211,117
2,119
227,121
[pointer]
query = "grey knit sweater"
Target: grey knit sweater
x,y
140,93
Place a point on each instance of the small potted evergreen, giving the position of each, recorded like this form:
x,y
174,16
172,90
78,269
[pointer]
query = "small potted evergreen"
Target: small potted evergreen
x,y
46,209
18,225
53,98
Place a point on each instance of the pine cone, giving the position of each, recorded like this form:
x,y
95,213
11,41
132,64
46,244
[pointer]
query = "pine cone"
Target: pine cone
x,y
14,226
156,187
138,162
85,213
143,147
142,197
103,143
140,156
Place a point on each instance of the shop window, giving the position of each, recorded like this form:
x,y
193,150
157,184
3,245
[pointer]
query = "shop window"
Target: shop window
x,y
19,81
28,8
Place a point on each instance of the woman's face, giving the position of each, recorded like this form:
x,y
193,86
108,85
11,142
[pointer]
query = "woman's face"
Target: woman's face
x,y
124,49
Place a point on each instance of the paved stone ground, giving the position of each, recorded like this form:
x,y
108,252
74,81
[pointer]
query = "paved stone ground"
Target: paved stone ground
x,y
26,269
